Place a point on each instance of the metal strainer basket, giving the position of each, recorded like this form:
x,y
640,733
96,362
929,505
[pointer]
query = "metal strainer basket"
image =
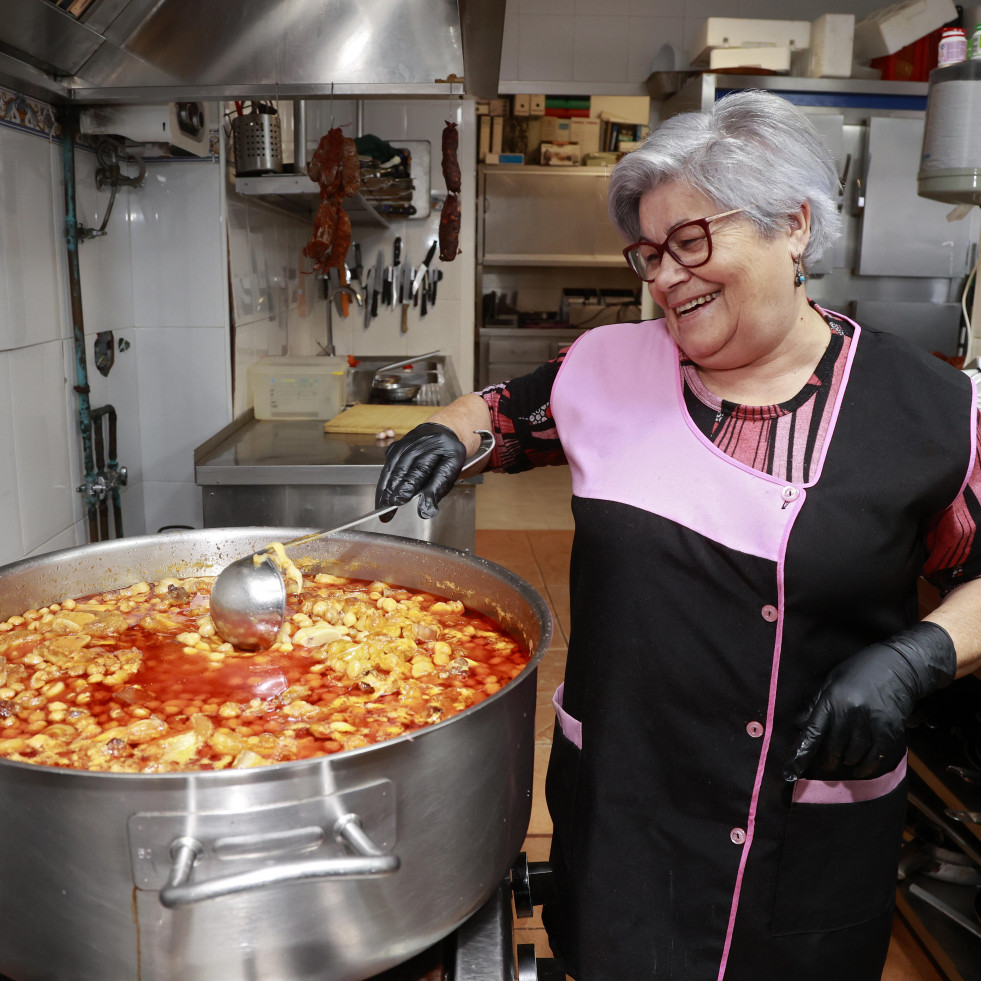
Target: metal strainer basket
x,y
258,144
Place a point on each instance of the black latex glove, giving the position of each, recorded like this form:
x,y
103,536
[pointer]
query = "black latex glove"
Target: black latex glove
x,y
426,460
858,717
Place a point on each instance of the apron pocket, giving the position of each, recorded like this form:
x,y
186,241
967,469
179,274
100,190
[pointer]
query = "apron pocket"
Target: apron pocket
x,y
839,860
562,777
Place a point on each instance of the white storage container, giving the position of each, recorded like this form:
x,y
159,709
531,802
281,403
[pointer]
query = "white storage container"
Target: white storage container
x,y
748,32
889,29
735,59
298,388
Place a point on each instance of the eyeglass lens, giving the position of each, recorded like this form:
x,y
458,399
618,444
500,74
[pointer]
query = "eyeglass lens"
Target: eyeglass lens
x,y
688,245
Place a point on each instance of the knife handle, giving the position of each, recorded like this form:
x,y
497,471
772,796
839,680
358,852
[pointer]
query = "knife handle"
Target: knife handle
x,y
397,251
405,318
374,303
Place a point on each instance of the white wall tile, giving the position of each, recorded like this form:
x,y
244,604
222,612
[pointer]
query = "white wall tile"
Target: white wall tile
x,y
600,48
11,538
178,246
593,8
648,35
32,242
64,539
546,45
184,396
172,503
566,8
40,415
133,508
104,261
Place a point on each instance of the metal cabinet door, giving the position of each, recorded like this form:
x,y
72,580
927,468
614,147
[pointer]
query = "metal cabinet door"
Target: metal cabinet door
x,y
902,233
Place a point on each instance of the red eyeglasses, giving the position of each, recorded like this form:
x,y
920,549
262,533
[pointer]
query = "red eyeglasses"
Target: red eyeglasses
x,y
690,245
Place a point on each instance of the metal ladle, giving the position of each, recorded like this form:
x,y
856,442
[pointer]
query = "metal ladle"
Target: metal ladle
x,y
248,598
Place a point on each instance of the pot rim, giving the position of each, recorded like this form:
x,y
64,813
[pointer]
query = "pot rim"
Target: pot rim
x,y
523,587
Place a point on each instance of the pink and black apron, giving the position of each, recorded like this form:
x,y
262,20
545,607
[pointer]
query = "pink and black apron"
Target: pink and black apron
x,y
709,602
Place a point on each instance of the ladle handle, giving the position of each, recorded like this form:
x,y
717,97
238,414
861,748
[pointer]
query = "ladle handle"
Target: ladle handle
x,y
185,851
486,447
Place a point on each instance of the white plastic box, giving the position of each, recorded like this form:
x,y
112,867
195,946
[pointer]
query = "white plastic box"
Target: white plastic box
x,y
889,29
298,388
830,53
748,32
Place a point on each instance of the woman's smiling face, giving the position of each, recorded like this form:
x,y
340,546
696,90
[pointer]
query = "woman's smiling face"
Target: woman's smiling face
x,y
738,308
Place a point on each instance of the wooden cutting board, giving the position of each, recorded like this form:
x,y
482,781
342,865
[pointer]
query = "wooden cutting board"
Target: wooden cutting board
x,y
367,420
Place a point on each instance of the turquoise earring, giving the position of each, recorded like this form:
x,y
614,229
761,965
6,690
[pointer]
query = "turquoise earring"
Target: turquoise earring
x,y
799,278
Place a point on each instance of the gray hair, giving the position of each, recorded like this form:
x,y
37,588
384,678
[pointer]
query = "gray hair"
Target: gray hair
x,y
751,150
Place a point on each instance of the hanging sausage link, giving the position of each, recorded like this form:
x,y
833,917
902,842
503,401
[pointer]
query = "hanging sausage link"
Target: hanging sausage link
x,y
335,167
451,164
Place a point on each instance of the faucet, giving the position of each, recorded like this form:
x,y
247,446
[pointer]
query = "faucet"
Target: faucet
x,y
332,292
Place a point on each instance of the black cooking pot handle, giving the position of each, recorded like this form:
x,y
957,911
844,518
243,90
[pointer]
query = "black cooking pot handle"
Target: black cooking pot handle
x,y
370,861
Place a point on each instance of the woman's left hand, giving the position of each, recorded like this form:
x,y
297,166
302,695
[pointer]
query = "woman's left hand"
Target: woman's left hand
x,y
858,717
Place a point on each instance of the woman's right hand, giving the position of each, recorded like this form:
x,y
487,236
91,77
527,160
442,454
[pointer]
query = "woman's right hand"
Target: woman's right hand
x,y
426,461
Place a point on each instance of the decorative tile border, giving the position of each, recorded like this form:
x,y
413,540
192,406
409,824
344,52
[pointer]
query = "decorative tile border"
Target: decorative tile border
x,y
38,117
29,114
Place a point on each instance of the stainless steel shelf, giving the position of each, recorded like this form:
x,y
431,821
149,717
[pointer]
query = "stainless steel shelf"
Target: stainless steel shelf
x,y
297,194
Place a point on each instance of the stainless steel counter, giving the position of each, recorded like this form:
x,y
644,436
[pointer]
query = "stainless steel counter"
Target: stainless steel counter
x,y
292,473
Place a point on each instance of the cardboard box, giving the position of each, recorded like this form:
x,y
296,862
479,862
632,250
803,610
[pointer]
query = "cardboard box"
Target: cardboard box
x,y
505,158
621,108
741,59
585,132
887,30
748,32
520,105
497,134
499,107
536,105
560,154
555,129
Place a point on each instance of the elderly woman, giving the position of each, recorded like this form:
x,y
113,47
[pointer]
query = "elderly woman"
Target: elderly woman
x,y
758,484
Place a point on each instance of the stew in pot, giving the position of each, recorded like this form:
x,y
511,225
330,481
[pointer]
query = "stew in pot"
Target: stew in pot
x,y
137,680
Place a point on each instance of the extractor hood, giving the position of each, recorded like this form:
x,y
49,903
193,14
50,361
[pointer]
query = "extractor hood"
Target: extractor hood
x,y
157,51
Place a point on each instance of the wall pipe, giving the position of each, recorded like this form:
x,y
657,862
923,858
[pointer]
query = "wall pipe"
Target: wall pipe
x,y
69,128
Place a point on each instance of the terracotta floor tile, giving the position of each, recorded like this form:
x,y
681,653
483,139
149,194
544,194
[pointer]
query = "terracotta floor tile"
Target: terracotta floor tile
x,y
552,550
540,822
512,550
558,602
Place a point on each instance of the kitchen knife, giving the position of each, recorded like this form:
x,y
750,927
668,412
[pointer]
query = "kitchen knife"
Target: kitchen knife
x,y
378,286
358,271
396,279
434,277
368,302
421,273
405,291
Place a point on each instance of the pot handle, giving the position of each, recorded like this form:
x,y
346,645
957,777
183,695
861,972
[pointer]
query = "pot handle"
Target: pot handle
x,y
185,851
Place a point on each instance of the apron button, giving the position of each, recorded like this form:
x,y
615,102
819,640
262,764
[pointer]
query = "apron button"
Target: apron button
x,y
738,836
790,494
754,729
769,613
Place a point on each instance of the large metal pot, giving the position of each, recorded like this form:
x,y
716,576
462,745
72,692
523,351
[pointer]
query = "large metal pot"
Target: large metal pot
x,y
331,869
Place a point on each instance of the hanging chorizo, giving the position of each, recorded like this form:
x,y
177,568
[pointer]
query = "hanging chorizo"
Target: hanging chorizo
x,y
451,163
449,228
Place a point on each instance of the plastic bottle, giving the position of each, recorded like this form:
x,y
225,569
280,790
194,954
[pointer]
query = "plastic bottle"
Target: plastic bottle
x,y
953,47
975,47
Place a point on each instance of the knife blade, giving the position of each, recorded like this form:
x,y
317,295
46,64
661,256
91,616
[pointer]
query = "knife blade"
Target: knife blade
x,y
378,286
396,259
421,273
358,271
368,281
405,291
